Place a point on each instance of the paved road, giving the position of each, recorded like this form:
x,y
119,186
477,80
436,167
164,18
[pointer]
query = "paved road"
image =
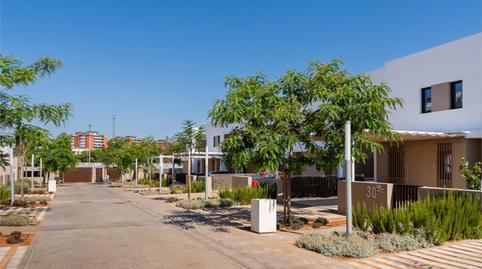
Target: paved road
x,y
94,226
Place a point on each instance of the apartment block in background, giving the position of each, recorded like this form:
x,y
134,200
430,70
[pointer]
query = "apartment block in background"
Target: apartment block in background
x,y
88,140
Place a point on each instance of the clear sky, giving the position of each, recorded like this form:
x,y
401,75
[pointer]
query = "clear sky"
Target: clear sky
x,y
157,63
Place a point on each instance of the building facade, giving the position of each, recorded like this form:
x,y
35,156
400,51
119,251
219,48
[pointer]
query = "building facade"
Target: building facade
x,y
88,140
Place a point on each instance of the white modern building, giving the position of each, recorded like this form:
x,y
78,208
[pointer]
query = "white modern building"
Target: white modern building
x,y
440,121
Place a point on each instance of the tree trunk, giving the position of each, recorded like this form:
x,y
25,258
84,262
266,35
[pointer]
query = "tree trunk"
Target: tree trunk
x,y
285,191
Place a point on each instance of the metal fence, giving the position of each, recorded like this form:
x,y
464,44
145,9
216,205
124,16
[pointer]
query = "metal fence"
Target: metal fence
x,y
313,186
403,194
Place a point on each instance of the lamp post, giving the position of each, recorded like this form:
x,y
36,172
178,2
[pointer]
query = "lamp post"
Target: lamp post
x,y
206,172
161,170
12,179
348,176
137,176
31,173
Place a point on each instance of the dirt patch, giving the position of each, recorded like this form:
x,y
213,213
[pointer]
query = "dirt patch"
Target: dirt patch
x,y
25,239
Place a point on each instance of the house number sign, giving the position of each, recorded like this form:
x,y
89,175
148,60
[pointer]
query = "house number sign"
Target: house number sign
x,y
373,190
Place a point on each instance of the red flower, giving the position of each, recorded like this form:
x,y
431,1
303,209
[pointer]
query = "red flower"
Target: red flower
x,y
254,183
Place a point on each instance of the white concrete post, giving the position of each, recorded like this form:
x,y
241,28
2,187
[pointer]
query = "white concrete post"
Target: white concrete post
x,y
12,177
41,174
31,173
161,171
348,180
137,176
206,172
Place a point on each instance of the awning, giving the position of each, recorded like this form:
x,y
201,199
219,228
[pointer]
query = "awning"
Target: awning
x,y
421,135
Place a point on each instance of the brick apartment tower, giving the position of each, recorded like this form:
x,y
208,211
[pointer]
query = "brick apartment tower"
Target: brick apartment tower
x,y
89,140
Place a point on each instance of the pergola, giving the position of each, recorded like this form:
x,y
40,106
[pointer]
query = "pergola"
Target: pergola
x,y
206,155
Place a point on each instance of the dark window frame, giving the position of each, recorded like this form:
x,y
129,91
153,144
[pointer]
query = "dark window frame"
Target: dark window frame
x,y
453,104
216,140
424,99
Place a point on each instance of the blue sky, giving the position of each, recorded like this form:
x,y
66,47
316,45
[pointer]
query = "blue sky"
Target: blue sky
x,y
157,63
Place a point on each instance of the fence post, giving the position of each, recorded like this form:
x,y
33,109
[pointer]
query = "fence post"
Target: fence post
x,y
348,177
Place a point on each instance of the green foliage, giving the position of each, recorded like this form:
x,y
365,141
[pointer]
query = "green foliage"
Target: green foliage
x,y
212,203
189,138
320,221
190,204
471,176
341,246
396,243
271,117
450,216
57,154
15,220
197,186
17,112
177,189
244,195
4,193
226,202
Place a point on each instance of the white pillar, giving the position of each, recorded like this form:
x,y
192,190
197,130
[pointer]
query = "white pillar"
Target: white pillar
x,y
206,173
161,171
137,176
375,165
12,176
172,169
31,173
41,174
348,180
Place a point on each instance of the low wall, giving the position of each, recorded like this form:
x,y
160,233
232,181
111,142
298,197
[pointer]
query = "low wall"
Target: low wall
x,y
424,192
372,194
225,181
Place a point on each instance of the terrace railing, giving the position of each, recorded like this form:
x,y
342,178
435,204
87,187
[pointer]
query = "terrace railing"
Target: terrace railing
x,y
302,186
404,194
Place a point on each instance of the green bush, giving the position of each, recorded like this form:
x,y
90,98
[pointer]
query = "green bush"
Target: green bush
x,y
190,204
15,220
226,202
395,242
244,195
320,221
4,193
176,189
21,202
197,186
336,245
450,216
212,203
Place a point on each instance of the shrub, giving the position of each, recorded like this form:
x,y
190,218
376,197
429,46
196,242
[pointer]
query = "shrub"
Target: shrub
x,y
176,189
190,204
39,200
397,242
197,186
471,176
320,221
244,195
353,246
450,216
226,202
212,203
4,193
21,202
172,200
39,191
15,220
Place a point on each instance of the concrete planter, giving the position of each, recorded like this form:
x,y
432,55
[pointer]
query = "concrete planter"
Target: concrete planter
x,y
263,215
52,185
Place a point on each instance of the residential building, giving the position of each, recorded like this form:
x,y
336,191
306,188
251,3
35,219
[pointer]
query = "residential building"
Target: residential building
x,y
439,123
88,140
5,171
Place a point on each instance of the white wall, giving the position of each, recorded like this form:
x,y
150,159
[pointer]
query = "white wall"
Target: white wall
x,y
406,76
212,131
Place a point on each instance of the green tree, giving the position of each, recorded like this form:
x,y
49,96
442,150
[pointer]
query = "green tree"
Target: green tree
x,y
189,139
58,155
16,111
147,148
305,110
471,176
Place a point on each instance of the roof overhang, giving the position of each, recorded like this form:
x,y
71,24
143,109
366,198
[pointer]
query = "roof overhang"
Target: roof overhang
x,y
407,136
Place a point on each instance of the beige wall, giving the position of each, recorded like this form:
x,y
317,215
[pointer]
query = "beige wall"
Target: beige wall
x,y
372,194
421,161
441,97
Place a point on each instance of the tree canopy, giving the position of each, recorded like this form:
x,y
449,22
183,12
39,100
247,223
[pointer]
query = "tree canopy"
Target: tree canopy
x,y
190,137
17,112
57,154
302,111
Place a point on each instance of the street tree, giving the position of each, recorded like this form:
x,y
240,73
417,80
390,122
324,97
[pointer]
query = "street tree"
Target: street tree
x,y
298,120
17,112
57,156
189,139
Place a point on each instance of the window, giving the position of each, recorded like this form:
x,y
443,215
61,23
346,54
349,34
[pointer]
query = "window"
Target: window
x,y
456,95
444,165
396,164
216,140
426,100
